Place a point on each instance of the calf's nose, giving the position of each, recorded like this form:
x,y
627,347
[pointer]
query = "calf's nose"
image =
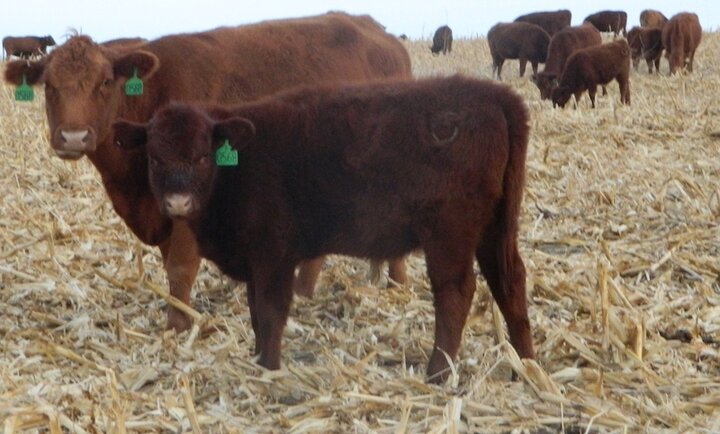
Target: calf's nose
x,y
178,204
74,140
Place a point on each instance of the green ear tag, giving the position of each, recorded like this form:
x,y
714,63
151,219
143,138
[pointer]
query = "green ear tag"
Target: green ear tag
x,y
226,156
134,85
24,92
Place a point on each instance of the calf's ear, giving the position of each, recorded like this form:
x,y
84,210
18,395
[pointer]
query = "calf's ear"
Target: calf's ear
x,y
236,129
33,72
130,136
145,62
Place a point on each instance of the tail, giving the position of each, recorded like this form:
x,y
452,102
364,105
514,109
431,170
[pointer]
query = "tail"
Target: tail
x,y
518,120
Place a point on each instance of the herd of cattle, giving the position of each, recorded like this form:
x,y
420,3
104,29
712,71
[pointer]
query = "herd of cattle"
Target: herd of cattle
x,y
288,140
575,58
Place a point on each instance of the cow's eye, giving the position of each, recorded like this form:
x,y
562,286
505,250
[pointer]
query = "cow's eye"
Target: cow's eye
x,y
107,82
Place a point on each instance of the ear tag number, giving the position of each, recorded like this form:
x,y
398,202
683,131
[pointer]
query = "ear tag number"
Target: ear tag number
x,y
134,85
226,156
24,92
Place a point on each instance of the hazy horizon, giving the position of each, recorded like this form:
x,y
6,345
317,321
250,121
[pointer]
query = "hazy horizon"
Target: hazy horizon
x,y
417,19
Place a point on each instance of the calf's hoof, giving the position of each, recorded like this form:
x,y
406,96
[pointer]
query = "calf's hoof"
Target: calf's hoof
x,y
178,321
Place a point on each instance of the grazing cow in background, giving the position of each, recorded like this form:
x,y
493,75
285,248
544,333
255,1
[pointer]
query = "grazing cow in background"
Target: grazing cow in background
x,y
646,43
84,85
372,170
519,40
681,37
26,47
588,67
561,47
442,40
652,18
552,22
609,21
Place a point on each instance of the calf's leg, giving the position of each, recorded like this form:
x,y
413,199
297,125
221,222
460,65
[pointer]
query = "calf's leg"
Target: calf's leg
x,y
308,272
504,272
273,295
181,260
397,270
523,65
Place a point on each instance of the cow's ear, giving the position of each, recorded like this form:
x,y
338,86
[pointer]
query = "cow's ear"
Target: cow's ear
x,y
33,72
130,136
236,129
145,62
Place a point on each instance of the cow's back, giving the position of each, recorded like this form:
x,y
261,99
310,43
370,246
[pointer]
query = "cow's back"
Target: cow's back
x,y
551,22
242,63
565,42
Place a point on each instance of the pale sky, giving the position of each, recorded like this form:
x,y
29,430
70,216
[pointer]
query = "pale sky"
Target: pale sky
x,y
104,20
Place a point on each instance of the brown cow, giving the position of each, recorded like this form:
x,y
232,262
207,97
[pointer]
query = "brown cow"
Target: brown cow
x,y
552,22
609,21
646,43
681,37
652,18
586,68
520,40
562,45
372,170
124,42
84,94
26,47
442,40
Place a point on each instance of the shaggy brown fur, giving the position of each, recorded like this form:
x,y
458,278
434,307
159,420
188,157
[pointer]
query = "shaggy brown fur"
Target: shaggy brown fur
x,y
371,170
84,94
26,47
524,41
681,37
609,21
646,43
588,67
551,22
652,18
442,40
562,45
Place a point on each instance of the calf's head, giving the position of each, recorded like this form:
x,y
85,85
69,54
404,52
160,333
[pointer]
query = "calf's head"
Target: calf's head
x,y
546,83
181,142
84,85
560,96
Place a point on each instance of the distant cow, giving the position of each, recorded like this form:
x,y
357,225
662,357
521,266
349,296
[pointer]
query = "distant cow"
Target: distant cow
x,y
442,40
646,43
519,40
609,21
26,47
652,18
681,37
589,67
562,45
84,84
552,22
373,170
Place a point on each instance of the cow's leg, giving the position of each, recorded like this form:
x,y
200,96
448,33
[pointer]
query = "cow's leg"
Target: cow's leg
x,y
397,270
181,260
604,90
636,63
624,83
592,90
499,68
253,313
523,65
504,272
534,65
649,65
449,258
308,272
690,61
273,295
657,65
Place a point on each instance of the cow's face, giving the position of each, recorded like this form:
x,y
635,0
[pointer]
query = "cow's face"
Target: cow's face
x,y
676,61
48,41
181,142
560,96
545,83
83,90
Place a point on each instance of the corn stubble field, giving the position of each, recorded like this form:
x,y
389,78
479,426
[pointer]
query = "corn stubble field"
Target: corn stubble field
x,y
620,236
